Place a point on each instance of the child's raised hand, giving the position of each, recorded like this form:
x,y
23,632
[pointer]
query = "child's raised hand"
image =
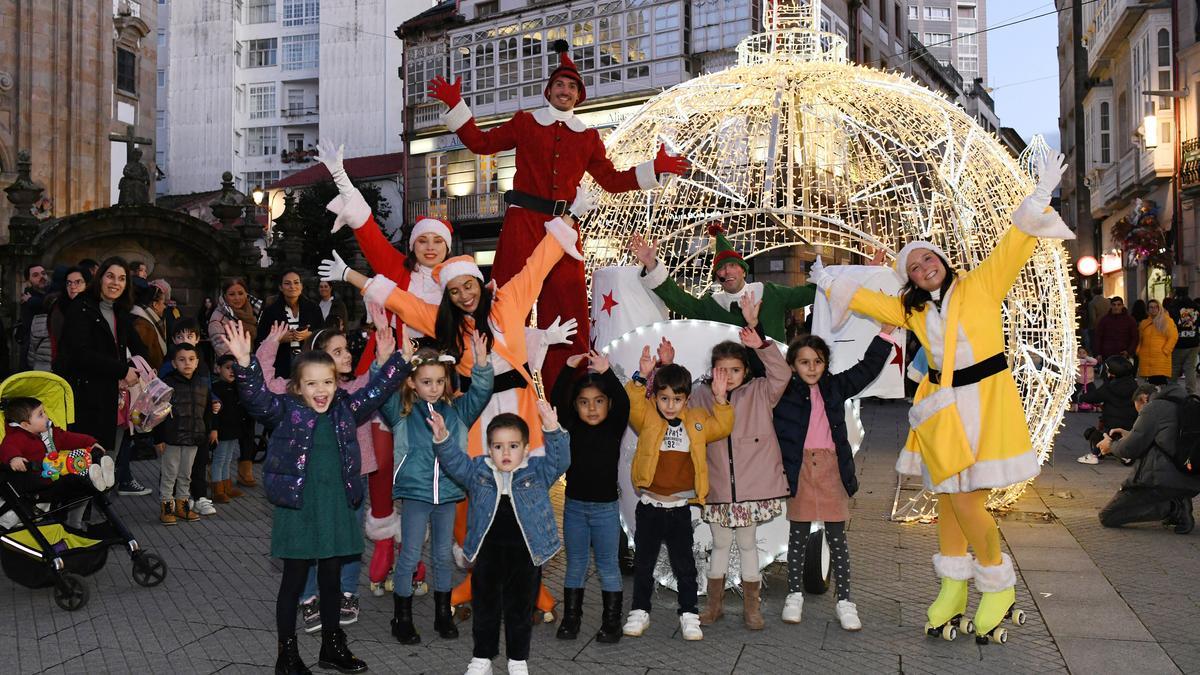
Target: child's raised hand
x,y
479,349
238,341
574,359
720,384
385,337
438,425
597,362
750,338
279,332
750,307
646,362
666,352
549,415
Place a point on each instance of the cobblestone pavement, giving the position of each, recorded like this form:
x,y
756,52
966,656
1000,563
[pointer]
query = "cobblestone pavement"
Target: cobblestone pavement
x,y
215,612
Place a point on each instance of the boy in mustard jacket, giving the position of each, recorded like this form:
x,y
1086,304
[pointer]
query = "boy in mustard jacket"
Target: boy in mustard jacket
x,y
670,470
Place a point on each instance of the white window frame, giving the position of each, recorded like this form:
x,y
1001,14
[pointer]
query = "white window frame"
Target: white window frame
x,y
262,141
262,101
301,12
300,52
262,53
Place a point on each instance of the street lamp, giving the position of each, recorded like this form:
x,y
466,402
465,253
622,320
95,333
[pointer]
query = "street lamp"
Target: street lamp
x,y
1150,131
257,193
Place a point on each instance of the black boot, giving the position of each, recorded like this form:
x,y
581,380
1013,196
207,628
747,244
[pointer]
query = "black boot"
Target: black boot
x,y
289,661
335,654
572,613
402,623
443,618
610,619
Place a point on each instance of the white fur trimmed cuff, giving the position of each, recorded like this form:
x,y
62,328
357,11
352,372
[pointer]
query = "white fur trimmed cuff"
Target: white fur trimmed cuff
x,y
840,293
378,289
1043,222
457,116
351,209
645,175
382,529
957,567
995,578
655,277
566,236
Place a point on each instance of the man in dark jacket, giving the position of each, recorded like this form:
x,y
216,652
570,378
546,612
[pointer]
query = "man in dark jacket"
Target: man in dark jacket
x,y
188,426
1157,490
1116,332
33,334
1187,319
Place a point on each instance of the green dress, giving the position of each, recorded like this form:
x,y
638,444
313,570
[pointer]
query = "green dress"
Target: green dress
x,y
324,526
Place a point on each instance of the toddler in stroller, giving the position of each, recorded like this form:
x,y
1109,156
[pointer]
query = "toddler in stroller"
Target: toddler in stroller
x,y
59,464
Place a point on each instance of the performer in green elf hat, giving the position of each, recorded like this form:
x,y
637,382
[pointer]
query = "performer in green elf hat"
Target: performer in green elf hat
x,y
724,305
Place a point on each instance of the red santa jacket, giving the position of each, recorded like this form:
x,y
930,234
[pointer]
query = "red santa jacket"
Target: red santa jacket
x,y
554,149
20,443
386,260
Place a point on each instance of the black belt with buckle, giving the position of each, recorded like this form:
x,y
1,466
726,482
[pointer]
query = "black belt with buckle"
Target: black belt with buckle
x,y
550,207
503,382
971,374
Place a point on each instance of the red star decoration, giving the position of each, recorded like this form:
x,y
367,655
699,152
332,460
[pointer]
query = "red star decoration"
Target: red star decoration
x,y
897,360
609,303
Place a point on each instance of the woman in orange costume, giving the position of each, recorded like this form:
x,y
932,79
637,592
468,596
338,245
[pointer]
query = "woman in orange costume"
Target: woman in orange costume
x,y
466,301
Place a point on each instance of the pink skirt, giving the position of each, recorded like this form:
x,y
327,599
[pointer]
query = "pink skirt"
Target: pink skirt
x,y
820,494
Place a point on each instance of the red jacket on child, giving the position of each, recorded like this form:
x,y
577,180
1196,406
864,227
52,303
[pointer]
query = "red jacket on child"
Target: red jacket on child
x,y
20,443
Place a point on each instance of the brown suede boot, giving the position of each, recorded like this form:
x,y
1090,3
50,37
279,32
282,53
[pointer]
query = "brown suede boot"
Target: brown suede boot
x,y
752,612
218,493
182,512
714,604
246,474
231,489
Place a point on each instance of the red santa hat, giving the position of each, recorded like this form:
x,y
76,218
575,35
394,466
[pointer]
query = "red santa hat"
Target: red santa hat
x,y
431,225
566,68
454,267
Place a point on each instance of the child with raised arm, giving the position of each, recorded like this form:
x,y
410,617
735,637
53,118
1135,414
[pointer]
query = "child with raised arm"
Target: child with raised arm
x,y
510,528
312,478
670,469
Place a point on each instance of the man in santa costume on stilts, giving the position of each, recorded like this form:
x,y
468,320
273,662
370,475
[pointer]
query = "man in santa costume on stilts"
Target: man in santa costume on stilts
x,y
554,149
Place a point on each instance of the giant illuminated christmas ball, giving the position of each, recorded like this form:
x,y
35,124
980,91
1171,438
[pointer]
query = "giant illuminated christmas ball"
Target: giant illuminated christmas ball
x,y
795,146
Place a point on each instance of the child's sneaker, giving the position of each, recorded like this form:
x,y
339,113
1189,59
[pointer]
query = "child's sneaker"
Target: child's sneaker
x,y
349,611
847,614
310,614
204,507
482,667
793,606
96,475
1089,458
518,667
689,624
637,623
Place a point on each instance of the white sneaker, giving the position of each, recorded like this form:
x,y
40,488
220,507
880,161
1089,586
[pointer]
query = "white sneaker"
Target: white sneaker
x,y
847,614
481,667
518,667
793,606
1088,459
637,623
96,475
690,625
110,471
204,507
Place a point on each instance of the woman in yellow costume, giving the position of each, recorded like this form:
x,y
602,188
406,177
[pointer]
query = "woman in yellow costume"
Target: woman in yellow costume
x,y
969,433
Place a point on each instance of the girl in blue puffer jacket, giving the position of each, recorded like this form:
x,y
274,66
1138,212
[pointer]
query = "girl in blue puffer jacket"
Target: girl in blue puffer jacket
x,y
312,477
429,494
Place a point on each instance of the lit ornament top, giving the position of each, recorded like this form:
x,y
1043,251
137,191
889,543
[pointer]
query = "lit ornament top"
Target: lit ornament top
x,y
796,146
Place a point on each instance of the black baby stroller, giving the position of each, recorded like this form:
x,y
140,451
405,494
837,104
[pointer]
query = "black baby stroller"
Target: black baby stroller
x,y
42,550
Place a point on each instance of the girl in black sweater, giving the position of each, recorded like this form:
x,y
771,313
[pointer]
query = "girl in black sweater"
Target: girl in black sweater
x,y
595,410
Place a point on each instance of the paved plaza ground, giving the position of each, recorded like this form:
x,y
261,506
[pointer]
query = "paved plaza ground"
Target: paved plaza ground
x,y
1098,600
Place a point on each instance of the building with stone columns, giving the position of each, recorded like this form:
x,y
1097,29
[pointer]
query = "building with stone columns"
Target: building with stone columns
x,y
74,76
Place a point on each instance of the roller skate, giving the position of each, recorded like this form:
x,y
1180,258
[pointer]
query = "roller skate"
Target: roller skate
x,y
419,586
380,588
946,613
997,602
383,532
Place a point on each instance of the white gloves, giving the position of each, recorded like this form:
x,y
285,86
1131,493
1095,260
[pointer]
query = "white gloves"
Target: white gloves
x,y
584,202
819,276
332,270
1034,216
560,334
331,156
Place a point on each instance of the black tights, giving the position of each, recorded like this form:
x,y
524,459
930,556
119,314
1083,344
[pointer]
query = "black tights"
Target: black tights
x,y
295,574
839,553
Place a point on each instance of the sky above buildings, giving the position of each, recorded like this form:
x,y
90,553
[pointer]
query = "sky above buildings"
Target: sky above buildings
x,y
1023,66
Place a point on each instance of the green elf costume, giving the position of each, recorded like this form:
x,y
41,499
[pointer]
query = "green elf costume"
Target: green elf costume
x,y
722,306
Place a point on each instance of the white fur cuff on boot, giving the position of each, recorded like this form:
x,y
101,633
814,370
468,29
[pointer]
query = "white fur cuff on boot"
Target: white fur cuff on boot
x,y
566,236
379,529
957,567
995,578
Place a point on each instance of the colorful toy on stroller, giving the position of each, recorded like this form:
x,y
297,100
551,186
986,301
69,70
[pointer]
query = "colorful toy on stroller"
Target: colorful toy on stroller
x,y
43,550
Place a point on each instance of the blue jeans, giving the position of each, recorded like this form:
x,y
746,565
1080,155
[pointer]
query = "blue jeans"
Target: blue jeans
x,y
415,516
222,458
595,525
350,570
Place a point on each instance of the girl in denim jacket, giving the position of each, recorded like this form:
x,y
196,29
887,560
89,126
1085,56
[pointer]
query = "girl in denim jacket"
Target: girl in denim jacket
x,y
511,530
